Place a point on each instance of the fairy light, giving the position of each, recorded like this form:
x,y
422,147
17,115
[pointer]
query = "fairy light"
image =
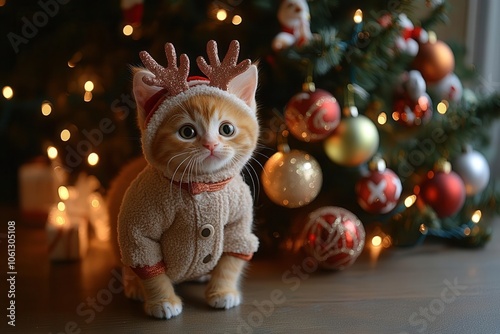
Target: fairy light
x,y
60,220
382,118
95,203
87,97
8,92
61,206
358,16
128,30
46,108
93,159
75,59
395,116
237,20
442,107
410,200
476,216
221,14
63,193
88,86
376,241
52,152
65,135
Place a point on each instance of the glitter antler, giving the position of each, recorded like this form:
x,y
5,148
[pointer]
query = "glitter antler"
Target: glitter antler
x,y
173,78
220,74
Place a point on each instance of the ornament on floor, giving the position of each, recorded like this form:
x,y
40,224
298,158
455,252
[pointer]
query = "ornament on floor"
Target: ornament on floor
x,y
354,141
312,114
434,60
294,17
443,190
474,170
334,237
449,88
378,192
132,11
291,178
411,36
412,105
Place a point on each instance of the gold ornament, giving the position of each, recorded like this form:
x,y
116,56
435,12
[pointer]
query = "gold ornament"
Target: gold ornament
x,y
434,61
354,141
292,179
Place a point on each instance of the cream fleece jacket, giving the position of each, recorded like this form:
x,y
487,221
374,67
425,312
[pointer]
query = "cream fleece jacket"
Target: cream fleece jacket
x,y
163,224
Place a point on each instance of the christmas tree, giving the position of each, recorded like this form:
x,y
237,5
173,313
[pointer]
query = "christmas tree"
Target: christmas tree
x,y
367,109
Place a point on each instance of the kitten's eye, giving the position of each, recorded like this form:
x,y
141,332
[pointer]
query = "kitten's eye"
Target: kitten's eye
x,y
187,132
226,129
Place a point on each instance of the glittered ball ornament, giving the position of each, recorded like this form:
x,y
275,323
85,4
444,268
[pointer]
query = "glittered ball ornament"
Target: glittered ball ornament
x,y
378,192
434,60
474,170
412,112
292,179
334,237
443,190
354,141
312,114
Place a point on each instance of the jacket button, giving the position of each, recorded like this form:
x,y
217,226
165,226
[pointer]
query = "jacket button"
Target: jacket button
x,y
206,231
207,258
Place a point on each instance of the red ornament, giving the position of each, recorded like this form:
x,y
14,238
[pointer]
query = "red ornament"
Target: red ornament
x,y
412,113
312,116
334,236
379,191
443,190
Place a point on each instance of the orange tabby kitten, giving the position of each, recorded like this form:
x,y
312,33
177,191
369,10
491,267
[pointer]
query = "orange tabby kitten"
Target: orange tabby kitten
x,y
189,212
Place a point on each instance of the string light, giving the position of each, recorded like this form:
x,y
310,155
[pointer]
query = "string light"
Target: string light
x,y
60,220
395,116
376,241
128,30
93,159
88,86
442,107
75,59
382,118
52,152
410,200
87,97
221,14
65,135
46,108
63,193
476,216
95,203
8,92
61,206
358,16
237,20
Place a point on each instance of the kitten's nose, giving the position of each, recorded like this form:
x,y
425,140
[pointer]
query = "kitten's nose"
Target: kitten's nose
x,y
210,146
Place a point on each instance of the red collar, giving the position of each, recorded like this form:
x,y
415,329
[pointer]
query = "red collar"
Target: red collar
x,y
195,188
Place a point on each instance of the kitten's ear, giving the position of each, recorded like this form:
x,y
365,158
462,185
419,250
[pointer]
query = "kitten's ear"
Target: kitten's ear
x,y
244,86
142,92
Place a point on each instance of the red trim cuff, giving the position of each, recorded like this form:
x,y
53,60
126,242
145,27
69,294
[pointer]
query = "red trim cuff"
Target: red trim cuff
x,y
150,271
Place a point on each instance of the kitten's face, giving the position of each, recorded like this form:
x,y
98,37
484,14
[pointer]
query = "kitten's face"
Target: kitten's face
x,y
204,135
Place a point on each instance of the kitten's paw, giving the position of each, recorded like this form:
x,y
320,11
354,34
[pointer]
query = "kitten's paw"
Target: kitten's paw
x,y
165,309
224,299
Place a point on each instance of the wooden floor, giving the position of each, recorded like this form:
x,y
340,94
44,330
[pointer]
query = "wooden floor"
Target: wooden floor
x,y
429,289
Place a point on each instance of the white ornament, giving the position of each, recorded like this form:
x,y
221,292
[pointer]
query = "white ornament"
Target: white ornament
x,y
449,88
408,42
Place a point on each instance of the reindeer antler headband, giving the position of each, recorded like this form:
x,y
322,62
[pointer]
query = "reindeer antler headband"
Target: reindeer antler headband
x,y
175,79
